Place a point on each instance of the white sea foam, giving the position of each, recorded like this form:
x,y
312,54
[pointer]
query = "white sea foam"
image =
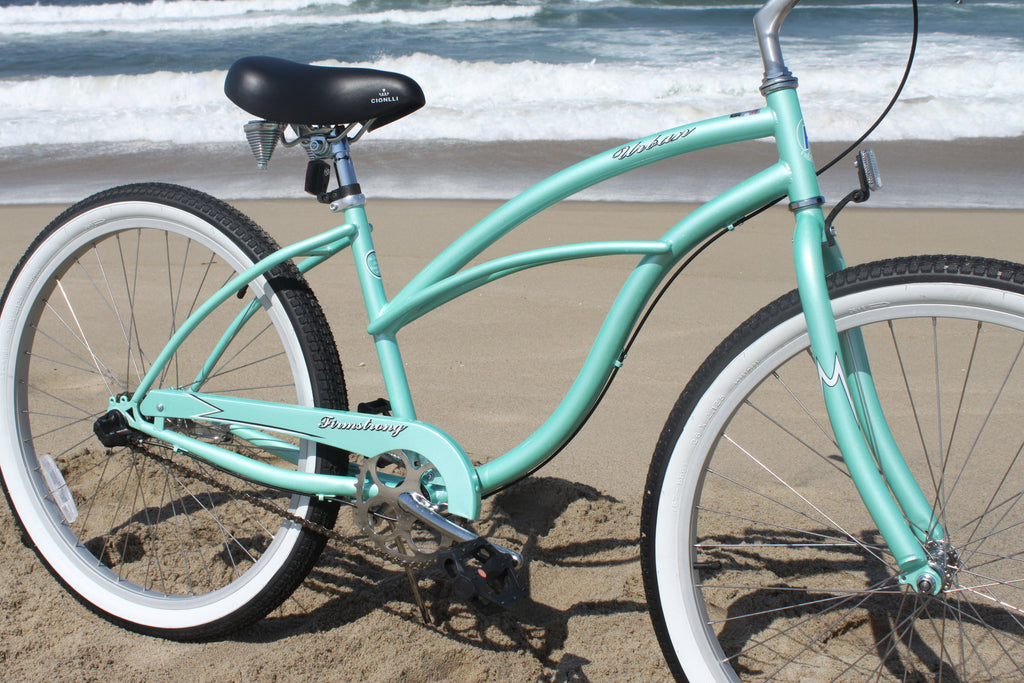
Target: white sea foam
x,y
204,16
228,15
970,96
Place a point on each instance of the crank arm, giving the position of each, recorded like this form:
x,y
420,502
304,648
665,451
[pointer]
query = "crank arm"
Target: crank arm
x,y
419,507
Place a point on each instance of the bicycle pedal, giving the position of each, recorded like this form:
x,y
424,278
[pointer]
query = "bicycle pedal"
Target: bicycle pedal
x,y
482,575
379,406
112,429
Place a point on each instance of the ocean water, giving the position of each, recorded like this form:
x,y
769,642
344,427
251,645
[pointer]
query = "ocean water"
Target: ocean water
x,y
81,79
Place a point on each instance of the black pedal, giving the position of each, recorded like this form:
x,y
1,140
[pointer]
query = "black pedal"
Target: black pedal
x,y
378,406
482,575
112,429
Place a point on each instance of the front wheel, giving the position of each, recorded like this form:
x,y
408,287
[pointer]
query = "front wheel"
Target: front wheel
x,y
142,534
759,559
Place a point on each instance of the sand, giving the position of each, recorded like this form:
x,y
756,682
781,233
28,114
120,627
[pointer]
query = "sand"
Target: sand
x,y
487,369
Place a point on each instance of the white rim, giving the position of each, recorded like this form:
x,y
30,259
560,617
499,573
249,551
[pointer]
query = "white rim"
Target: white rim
x,y
682,608
76,566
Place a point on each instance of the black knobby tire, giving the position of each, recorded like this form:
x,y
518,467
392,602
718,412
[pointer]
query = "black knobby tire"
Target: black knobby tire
x,y
85,313
759,559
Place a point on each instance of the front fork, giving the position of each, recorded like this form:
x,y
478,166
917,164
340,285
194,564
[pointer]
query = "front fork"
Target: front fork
x,y
892,496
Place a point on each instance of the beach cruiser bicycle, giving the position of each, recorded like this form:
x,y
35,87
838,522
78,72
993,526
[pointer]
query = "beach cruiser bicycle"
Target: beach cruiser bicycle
x,y
178,441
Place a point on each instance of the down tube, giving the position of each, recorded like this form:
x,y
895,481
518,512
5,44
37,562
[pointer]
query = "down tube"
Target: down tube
x,y
625,311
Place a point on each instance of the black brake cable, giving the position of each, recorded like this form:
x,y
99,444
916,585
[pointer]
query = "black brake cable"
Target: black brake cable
x,y
881,117
625,351
714,238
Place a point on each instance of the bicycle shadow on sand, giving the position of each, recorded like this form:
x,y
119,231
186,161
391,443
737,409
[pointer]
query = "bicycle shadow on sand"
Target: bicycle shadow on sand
x,y
812,593
561,528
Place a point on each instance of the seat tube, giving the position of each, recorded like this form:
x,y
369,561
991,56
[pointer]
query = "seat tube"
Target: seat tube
x,y
372,285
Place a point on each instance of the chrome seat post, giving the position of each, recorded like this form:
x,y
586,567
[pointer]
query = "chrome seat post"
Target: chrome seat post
x,y
351,193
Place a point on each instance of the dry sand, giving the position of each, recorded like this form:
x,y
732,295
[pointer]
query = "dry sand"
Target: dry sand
x,y
487,369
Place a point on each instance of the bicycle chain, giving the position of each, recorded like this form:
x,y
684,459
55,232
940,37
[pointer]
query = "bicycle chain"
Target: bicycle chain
x,y
357,545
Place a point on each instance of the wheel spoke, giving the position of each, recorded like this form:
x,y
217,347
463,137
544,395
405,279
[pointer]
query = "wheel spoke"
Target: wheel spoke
x,y
756,540
149,536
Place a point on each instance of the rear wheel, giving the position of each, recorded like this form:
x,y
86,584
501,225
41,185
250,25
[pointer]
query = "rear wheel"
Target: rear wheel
x,y
759,559
143,535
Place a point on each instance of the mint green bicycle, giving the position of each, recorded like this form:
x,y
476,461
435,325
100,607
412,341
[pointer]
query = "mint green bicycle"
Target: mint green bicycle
x,y
178,439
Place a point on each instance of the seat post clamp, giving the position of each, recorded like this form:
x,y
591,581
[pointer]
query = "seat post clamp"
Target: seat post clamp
x,y
345,197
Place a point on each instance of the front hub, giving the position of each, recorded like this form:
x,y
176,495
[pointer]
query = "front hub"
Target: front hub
x,y
940,571
944,558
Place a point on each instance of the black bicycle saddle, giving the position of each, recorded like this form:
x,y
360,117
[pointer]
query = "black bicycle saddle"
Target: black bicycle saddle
x,y
288,92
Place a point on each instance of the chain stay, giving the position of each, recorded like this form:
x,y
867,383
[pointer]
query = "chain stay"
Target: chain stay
x,y
357,545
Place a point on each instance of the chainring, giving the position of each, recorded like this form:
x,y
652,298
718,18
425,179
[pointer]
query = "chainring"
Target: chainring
x,y
396,533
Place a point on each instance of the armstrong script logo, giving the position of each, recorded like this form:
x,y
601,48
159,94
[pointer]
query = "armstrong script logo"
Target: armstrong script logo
x,y
368,426
658,141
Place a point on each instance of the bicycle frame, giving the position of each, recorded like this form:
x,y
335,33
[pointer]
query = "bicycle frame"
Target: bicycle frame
x,y
443,280
891,495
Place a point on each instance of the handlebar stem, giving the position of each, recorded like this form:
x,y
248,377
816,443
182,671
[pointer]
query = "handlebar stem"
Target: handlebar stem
x,y
767,22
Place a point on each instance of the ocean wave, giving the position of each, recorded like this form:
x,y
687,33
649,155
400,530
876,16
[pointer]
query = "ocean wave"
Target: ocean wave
x,y
972,96
228,15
